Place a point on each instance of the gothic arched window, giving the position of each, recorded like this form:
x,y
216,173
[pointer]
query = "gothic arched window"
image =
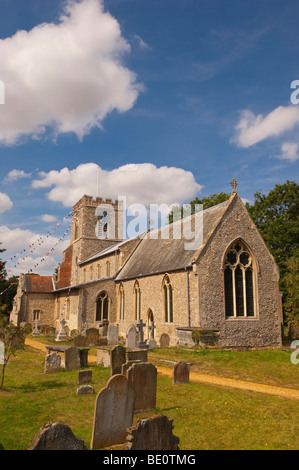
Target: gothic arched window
x,y
239,285
121,302
168,299
103,303
137,300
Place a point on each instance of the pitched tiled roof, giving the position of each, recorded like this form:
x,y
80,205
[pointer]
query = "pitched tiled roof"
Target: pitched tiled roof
x,y
160,253
38,283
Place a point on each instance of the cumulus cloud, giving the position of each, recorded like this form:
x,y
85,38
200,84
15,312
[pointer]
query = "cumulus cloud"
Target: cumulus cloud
x,y
48,218
140,182
65,76
5,202
15,175
289,151
252,129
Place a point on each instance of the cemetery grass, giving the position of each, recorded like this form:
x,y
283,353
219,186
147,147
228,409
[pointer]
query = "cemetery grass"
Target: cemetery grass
x,y
205,416
269,367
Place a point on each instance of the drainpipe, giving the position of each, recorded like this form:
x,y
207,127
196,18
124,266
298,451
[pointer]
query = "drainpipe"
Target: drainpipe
x,y
188,297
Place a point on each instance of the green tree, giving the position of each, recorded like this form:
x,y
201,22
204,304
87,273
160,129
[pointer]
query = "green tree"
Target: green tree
x,y
207,202
291,280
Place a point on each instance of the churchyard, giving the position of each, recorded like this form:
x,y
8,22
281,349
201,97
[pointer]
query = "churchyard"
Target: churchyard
x,y
205,416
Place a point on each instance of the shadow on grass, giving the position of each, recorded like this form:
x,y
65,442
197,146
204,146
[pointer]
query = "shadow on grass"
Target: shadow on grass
x,y
33,387
1,447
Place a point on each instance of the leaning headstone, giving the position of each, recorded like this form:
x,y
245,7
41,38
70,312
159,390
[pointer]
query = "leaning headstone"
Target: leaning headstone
x,y
117,359
152,434
56,436
131,337
143,378
72,359
92,337
52,363
79,341
112,334
181,372
84,377
164,340
85,390
114,411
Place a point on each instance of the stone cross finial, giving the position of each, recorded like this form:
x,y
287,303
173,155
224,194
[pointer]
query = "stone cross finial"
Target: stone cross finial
x,y
234,184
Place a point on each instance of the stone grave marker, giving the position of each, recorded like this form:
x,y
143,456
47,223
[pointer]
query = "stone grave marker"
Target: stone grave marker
x,y
50,331
117,359
152,434
92,337
56,436
114,411
143,378
52,363
164,340
72,359
85,390
131,337
112,334
181,371
79,341
84,377
141,343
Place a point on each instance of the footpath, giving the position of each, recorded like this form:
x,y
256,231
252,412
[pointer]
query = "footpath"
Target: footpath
x,y
205,378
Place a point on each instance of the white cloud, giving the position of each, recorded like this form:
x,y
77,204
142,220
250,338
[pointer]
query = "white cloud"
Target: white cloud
x,y
48,218
140,182
252,129
66,76
31,250
289,151
5,202
15,175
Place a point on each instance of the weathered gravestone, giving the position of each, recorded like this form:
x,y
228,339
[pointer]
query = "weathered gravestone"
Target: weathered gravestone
x,y
114,411
164,340
181,371
56,436
92,337
137,355
103,357
79,341
72,358
112,334
131,337
152,434
62,334
85,390
143,378
84,377
50,331
127,365
52,363
117,359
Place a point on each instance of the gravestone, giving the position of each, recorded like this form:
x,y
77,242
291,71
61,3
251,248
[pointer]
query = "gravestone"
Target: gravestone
x,y
112,334
131,337
181,372
117,359
127,365
85,390
141,343
83,352
137,355
72,358
103,327
52,363
164,340
143,378
62,335
56,436
50,331
84,377
152,434
92,337
103,357
114,411
36,331
79,341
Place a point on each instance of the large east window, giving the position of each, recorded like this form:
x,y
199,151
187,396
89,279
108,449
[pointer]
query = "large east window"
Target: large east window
x,y
239,284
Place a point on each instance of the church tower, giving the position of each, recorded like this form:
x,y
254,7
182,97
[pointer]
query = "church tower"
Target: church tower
x,y
96,224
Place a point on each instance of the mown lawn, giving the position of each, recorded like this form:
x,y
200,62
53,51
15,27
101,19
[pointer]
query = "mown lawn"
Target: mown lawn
x,y
205,416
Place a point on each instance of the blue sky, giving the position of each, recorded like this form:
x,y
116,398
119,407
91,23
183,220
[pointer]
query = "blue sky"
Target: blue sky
x,y
199,90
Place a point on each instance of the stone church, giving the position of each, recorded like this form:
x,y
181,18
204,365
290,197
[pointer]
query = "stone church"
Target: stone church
x,y
225,289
